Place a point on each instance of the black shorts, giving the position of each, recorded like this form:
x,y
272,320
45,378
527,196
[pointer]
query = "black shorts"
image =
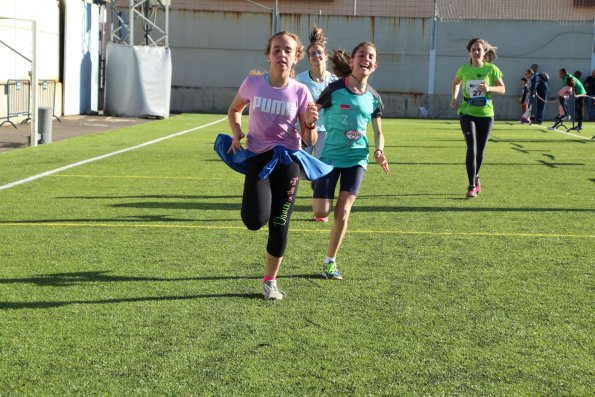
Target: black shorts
x,y
351,180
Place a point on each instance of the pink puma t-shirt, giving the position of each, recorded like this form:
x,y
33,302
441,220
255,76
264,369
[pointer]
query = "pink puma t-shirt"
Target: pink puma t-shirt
x,y
273,113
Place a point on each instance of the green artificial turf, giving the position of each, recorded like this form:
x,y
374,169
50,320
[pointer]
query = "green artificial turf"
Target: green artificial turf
x,y
134,275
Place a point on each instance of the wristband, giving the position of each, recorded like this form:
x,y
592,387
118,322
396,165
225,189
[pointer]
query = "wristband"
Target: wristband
x,y
379,151
310,127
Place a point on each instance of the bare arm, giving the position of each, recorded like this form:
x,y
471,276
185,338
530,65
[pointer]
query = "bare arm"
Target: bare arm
x,y
379,155
308,120
234,116
454,92
497,88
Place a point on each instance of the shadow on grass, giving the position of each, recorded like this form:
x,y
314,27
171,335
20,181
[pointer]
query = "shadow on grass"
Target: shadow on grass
x,y
368,208
47,305
170,206
427,146
77,278
538,163
141,219
571,141
153,196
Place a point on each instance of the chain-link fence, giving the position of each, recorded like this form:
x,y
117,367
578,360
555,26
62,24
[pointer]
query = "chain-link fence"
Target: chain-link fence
x,y
216,43
446,10
531,10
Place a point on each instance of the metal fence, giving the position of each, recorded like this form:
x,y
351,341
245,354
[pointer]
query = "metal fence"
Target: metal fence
x,y
446,10
18,93
46,92
18,99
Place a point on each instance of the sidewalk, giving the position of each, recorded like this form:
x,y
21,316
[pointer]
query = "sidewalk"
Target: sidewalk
x,y
71,126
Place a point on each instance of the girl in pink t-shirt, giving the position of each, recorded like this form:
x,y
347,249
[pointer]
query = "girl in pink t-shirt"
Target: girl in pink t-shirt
x,y
563,96
277,103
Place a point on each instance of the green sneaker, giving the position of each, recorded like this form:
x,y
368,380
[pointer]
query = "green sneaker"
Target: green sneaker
x,y
331,272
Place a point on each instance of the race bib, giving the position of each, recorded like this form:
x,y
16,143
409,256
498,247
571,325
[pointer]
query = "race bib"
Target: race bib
x,y
472,88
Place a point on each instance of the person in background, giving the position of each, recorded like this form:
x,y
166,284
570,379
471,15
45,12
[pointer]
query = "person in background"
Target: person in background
x,y
563,96
532,85
277,103
524,101
579,92
589,85
480,79
317,78
541,92
349,104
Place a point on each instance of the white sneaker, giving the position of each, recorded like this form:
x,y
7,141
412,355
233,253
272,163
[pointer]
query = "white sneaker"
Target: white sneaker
x,y
271,291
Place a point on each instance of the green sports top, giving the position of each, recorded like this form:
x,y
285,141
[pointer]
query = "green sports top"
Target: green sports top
x,y
471,77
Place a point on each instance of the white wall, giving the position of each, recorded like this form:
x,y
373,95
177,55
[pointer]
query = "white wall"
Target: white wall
x,y
213,51
81,57
18,35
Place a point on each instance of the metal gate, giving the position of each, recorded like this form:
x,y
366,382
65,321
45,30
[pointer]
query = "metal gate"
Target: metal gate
x,y
46,92
18,99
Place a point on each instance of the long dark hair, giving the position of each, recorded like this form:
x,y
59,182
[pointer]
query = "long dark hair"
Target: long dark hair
x,y
340,60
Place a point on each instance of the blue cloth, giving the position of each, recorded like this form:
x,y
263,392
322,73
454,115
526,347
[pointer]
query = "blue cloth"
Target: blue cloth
x,y
312,167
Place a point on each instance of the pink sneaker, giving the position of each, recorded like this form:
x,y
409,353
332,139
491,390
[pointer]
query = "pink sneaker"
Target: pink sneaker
x,y
472,192
477,185
325,219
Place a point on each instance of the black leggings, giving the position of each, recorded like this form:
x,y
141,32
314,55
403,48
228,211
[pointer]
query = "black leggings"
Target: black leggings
x,y
477,133
578,110
270,200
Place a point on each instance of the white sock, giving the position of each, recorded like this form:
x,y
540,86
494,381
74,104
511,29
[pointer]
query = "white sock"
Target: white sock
x,y
329,259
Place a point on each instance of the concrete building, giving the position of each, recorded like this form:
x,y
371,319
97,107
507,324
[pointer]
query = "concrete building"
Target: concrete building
x,y
214,44
67,52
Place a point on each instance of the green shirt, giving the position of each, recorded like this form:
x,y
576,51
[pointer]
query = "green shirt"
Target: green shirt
x,y
471,77
579,88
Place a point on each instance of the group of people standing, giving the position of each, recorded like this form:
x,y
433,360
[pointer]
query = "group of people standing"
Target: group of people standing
x,y
329,113
534,96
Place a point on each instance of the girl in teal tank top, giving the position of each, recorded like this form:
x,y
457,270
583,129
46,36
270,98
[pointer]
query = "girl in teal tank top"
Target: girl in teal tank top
x,y
349,105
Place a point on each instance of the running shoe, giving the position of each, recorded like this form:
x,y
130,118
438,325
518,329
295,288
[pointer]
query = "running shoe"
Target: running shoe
x,y
271,291
471,192
477,185
331,272
325,219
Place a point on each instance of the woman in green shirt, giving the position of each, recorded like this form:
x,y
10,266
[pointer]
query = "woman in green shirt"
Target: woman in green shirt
x,y
480,79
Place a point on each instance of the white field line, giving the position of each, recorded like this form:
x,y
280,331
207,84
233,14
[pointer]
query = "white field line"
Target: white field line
x,y
562,132
138,177
104,156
